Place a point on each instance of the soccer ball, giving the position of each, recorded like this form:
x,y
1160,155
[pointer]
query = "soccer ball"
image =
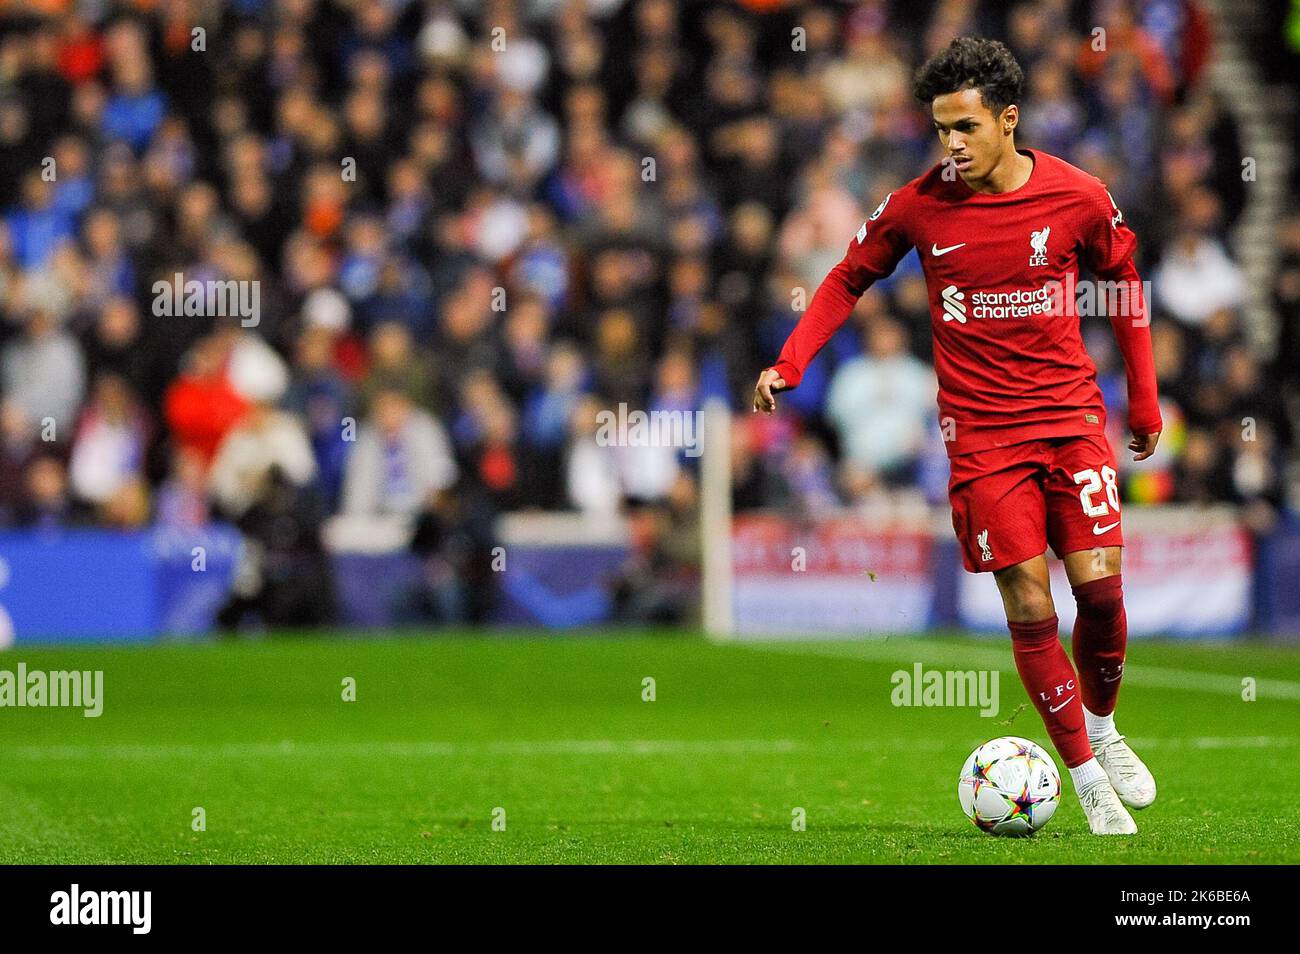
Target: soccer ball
x,y
1009,786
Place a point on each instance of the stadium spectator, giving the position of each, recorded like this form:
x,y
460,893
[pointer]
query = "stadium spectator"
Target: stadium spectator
x,y
182,502
592,474
40,224
267,444
320,397
402,459
262,479
48,505
395,365
659,581
1196,278
17,445
44,374
108,451
201,405
885,444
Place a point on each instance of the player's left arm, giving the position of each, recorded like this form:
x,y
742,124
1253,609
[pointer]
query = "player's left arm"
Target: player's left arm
x,y
1108,250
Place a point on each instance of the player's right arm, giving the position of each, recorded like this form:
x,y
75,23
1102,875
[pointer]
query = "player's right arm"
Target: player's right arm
x,y
872,255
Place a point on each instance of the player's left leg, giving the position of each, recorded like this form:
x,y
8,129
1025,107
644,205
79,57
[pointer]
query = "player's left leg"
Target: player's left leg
x,y
1083,525
1098,643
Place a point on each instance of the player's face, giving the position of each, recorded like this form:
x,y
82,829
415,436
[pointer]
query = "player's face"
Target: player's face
x,y
971,135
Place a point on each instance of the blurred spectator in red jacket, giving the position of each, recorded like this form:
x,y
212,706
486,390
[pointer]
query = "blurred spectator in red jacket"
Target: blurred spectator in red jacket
x,y
201,406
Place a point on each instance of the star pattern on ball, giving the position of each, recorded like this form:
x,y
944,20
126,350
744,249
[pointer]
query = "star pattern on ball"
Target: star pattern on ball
x,y
1022,805
977,778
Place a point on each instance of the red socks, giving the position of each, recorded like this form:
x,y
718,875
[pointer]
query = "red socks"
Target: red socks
x,y
1100,636
1049,679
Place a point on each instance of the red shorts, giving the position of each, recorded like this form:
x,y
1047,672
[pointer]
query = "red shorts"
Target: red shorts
x,y
1010,503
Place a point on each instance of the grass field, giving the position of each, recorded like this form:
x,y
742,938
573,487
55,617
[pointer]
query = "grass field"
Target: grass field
x,y
554,731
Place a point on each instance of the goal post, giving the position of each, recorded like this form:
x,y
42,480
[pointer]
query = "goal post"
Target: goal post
x,y
716,569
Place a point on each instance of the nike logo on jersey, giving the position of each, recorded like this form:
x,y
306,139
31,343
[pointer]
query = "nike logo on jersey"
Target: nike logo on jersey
x,y
936,251
1060,707
1098,530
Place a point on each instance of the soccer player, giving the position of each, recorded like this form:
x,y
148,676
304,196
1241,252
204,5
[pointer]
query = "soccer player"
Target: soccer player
x,y
1002,233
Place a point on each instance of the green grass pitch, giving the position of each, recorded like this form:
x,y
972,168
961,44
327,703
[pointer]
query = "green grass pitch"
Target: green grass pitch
x,y
553,729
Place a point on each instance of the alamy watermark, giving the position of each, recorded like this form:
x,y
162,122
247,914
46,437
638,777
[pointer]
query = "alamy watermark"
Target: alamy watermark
x,y
208,299
639,428
1101,299
945,688
133,909
56,689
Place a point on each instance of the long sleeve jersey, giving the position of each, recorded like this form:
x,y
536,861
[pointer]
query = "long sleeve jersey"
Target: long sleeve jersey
x,y
1002,272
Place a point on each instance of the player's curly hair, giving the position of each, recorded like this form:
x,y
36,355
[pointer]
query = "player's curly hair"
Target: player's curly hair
x,y
972,62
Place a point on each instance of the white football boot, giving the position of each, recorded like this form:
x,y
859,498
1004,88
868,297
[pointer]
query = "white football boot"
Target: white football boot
x,y
1106,813
1132,780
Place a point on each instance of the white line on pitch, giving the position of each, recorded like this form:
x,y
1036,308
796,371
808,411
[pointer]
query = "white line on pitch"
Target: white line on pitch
x,y
579,747
987,657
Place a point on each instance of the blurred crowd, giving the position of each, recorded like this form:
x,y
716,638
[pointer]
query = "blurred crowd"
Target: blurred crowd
x,y
473,226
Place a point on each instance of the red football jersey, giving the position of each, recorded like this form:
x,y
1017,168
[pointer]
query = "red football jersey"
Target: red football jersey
x,y
1002,271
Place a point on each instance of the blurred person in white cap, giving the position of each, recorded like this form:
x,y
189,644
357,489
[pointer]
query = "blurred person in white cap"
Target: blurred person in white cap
x,y
265,439
263,478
